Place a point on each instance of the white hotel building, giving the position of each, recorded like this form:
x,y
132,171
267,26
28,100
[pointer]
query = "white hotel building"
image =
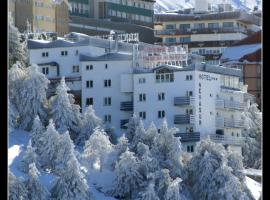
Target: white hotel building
x,y
118,80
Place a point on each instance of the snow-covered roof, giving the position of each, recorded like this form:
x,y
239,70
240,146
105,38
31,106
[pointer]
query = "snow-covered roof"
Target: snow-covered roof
x,y
109,56
235,53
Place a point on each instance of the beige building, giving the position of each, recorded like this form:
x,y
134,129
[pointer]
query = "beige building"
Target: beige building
x,y
42,15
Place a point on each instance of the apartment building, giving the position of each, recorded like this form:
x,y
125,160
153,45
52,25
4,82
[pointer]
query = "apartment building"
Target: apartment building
x,y
207,34
41,16
120,78
135,11
246,55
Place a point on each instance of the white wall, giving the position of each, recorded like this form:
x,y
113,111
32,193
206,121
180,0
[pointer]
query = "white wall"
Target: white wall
x,y
217,37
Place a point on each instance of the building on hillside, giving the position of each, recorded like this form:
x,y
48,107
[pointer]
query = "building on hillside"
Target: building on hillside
x,y
246,55
42,16
207,34
120,76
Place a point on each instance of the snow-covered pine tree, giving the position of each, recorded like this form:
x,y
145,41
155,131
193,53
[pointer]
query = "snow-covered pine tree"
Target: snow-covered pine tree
x,y
167,149
89,122
251,150
132,125
71,183
129,180
12,116
98,149
235,161
151,135
162,180
173,191
29,157
37,134
65,113
50,145
36,191
138,136
16,188
149,193
121,145
17,49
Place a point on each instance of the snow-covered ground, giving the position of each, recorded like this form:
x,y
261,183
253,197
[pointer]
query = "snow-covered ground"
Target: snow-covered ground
x,y
254,187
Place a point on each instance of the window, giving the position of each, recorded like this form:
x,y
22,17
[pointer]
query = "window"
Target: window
x,y
107,101
184,27
106,66
184,39
170,40
107,118
227,24
142,115
188,77
45,54
191,148
170,26
142,97
141,80
89,101
199,26
164,77
107,83
64,53
75,68
45,70
189,93
188,148
200,122
89,67
89,84
77,52
189,111
232,133
213,25
161,96
161,114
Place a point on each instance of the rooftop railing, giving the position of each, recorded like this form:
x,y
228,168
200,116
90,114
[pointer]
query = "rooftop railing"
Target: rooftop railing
x,y
184,119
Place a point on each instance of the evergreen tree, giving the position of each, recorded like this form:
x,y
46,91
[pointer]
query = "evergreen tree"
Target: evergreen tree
x,y
173,191
35,190
71,183
37,134
65,113
129,180
28,158
98,148
16,188
89,122
149,193
35,100
17,49
138,136
12,116
151,135
50,146
132,125
162,180
235,161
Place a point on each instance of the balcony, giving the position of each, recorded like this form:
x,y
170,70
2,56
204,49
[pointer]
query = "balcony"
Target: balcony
x,y
189,137
184,119
184,101
126,106
228,104
225,139
123,123
223,122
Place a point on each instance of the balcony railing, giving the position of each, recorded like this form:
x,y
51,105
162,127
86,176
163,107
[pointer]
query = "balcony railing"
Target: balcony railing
x,y
126,106
184,119
225,139
222,122
183,101
123,123
189,137
228,104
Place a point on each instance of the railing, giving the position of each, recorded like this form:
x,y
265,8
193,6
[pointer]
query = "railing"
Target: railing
x,y
182,101
123,123
189,137
221,103
230,123
225,139
126,106
184,119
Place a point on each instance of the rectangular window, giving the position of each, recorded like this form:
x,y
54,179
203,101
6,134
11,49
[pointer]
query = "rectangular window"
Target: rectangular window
x,y
141,80
75,68
89,84
106,66
142,97
142,115
45,70
213,25
189,93
161,96
188,148
64,53
191,149
170,26
89,67
227,24
107,83
107,118
45,54
199,26
89,101
107,101
161,114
